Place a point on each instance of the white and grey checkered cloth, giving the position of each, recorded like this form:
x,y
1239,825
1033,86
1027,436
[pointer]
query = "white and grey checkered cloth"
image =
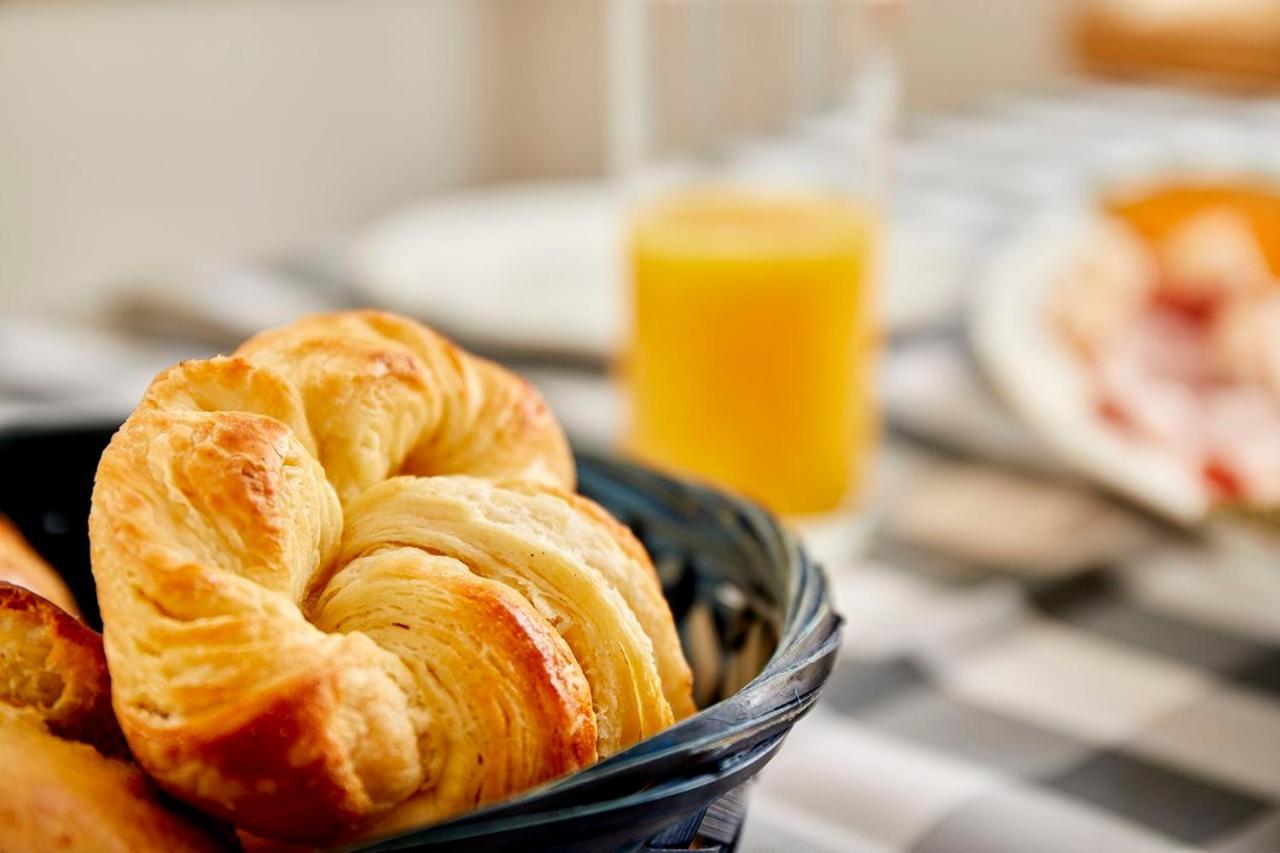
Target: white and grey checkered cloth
x,y
1131,707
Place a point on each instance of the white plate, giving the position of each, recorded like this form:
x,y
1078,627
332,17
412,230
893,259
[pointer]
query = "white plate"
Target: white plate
x,y
1045,384
534,266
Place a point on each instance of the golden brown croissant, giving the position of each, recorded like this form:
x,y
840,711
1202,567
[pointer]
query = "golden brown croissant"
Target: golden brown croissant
x,y
310,637
66,785
21,565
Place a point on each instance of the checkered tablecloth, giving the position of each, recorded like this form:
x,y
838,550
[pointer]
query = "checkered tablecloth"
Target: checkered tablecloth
x,y
1072,677
1130,707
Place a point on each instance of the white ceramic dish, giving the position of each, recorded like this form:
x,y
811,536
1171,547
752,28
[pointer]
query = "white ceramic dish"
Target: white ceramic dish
x,y
1035,371
534,267
1042,380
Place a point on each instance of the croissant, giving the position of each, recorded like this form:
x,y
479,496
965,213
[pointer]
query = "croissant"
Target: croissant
x,y
22,566
67,784
347,587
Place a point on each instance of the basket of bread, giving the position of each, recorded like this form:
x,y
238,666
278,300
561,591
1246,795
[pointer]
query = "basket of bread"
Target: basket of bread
x,y
355,591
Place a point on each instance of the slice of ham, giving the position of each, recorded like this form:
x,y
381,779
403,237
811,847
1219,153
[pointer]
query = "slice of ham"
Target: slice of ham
x,y
1241,441
1149,375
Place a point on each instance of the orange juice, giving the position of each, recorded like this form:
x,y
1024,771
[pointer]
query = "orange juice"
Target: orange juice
x,y
752,344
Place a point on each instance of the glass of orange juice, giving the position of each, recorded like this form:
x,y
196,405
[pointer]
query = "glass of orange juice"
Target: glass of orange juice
x,y
752,248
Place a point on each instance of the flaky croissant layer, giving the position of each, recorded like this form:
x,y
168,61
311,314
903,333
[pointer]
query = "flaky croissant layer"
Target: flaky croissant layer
x,y
346,586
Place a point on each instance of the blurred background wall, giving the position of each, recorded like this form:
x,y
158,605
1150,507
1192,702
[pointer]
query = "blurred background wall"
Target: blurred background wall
x,y
955,50
139,136
142,137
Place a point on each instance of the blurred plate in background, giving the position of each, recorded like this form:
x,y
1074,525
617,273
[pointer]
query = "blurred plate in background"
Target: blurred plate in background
x,y
532,267
1164,400
1043,381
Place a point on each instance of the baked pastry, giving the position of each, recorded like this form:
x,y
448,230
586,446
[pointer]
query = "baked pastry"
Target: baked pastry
x,y
53,675
311,639
21,565
67,784
1233,43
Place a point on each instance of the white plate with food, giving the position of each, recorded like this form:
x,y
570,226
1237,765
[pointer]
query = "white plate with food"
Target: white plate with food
x,y
1137,332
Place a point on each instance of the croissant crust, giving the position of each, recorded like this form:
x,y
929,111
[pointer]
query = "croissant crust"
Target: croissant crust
x,y
347,587
68,784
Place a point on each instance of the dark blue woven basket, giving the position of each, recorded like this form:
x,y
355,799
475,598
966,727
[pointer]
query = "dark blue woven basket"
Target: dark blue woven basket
x,y
754,613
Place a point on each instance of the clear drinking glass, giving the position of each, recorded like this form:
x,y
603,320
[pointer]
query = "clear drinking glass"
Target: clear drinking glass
x,y
752,136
